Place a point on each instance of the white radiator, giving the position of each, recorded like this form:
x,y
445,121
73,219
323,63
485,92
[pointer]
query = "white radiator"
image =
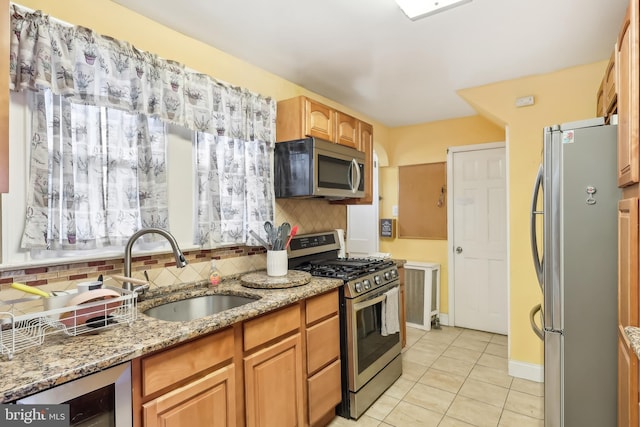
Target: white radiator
x,y
422,294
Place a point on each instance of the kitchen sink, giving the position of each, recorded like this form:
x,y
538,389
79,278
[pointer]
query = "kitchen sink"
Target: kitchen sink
x,y
197,307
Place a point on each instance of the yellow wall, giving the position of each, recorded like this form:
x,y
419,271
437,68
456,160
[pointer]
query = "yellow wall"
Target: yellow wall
x,y
563,96
427,143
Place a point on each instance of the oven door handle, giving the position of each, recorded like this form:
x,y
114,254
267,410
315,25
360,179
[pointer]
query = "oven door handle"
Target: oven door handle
x,y
364,304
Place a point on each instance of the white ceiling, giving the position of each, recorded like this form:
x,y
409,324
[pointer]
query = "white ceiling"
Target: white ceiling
x,y
366,55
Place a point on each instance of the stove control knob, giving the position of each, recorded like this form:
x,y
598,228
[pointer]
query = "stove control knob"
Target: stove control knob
x,y
394,273
358,286
377,279
387,275
367,284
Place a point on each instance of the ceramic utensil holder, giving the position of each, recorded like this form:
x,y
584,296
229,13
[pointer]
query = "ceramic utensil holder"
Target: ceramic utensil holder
x,y
277,263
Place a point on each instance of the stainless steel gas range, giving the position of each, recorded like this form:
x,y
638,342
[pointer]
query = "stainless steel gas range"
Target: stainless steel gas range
x,y
369,317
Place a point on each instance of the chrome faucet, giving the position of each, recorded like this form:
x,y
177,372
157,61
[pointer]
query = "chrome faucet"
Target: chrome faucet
x,y
181,262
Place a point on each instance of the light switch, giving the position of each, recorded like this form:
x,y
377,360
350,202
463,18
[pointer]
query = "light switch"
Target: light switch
x,y
394,210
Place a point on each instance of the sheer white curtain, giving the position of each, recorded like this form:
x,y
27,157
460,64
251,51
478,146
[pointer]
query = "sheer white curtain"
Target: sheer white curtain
x,y
235,189
96,175
234,173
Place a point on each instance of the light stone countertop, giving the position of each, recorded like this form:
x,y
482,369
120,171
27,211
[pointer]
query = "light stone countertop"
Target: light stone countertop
x,y
633,333
63,358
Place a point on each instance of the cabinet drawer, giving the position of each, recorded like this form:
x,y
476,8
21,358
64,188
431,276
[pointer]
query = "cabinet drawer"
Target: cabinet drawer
x,y
174,365
322,306
324,392
323,343
270,326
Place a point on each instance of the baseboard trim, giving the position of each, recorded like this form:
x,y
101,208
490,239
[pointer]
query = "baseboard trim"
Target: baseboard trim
x,y
444,319
527,371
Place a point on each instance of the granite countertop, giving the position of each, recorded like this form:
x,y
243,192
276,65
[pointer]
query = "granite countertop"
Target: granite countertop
x,y
63,358
633,333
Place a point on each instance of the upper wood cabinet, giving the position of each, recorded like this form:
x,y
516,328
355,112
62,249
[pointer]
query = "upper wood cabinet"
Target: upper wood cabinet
x,y
627,97
606,99
347,130
610,104
4,98
301,117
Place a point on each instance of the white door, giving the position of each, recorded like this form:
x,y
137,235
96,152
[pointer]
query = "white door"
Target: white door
x,y
362,223
479,241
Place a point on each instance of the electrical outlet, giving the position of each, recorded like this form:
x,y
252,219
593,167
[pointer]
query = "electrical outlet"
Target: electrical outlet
x,y
394,210
524,101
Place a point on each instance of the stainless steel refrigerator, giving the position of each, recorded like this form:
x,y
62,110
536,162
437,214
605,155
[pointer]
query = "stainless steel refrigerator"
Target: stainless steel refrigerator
x,y
576,267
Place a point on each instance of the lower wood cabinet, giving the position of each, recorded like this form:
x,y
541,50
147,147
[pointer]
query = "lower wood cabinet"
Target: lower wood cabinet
x,y
273,385
323,357
627,382
281,369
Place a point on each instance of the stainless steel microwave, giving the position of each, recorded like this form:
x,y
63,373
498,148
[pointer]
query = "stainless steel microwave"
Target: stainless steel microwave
x,y
312,167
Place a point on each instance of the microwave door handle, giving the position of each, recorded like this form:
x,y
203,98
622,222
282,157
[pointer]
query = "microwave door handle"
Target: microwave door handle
x,y
354,184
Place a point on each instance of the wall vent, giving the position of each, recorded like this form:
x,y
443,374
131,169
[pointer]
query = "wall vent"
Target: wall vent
x,y
422,294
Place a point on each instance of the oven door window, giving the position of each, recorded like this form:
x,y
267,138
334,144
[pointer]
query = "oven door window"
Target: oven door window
x,y
370,342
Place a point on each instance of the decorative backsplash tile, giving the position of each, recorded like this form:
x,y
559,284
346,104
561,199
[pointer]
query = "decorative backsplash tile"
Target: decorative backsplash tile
x,y
311,215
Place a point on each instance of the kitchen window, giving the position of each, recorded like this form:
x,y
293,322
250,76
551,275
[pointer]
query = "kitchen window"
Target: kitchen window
x,y
96,176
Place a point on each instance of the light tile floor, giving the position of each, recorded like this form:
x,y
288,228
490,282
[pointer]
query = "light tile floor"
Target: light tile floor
x,y
455,377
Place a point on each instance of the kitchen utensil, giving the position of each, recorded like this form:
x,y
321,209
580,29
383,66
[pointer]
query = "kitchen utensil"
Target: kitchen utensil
x,y
97,305
260,239
88,286
271,232
30,289
284,230
278,244
294,231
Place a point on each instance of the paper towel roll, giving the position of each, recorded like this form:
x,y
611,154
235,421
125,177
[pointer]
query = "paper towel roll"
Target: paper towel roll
x,y
342,253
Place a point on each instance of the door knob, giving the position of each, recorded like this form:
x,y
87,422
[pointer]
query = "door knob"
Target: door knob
x,y
458,250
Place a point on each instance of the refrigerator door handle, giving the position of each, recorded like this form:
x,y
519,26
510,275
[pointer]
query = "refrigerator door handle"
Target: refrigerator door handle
x,y
538,261
532,314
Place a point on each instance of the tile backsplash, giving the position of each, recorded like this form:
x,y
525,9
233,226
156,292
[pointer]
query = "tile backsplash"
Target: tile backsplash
x,y
311,215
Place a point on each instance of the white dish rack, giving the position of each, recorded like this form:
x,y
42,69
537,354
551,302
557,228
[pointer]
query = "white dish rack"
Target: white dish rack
x,y
21,331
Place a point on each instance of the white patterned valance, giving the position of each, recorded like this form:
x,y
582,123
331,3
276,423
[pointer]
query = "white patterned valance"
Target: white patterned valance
x,y
93,69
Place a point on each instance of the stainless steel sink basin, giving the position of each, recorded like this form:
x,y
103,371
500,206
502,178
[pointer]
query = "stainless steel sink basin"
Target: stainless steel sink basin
x,y
196,307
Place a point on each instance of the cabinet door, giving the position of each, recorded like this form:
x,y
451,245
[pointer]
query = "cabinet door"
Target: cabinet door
x,y
627,97
273,385
628,262
4,98
207,402
319,121
347,130
627,383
